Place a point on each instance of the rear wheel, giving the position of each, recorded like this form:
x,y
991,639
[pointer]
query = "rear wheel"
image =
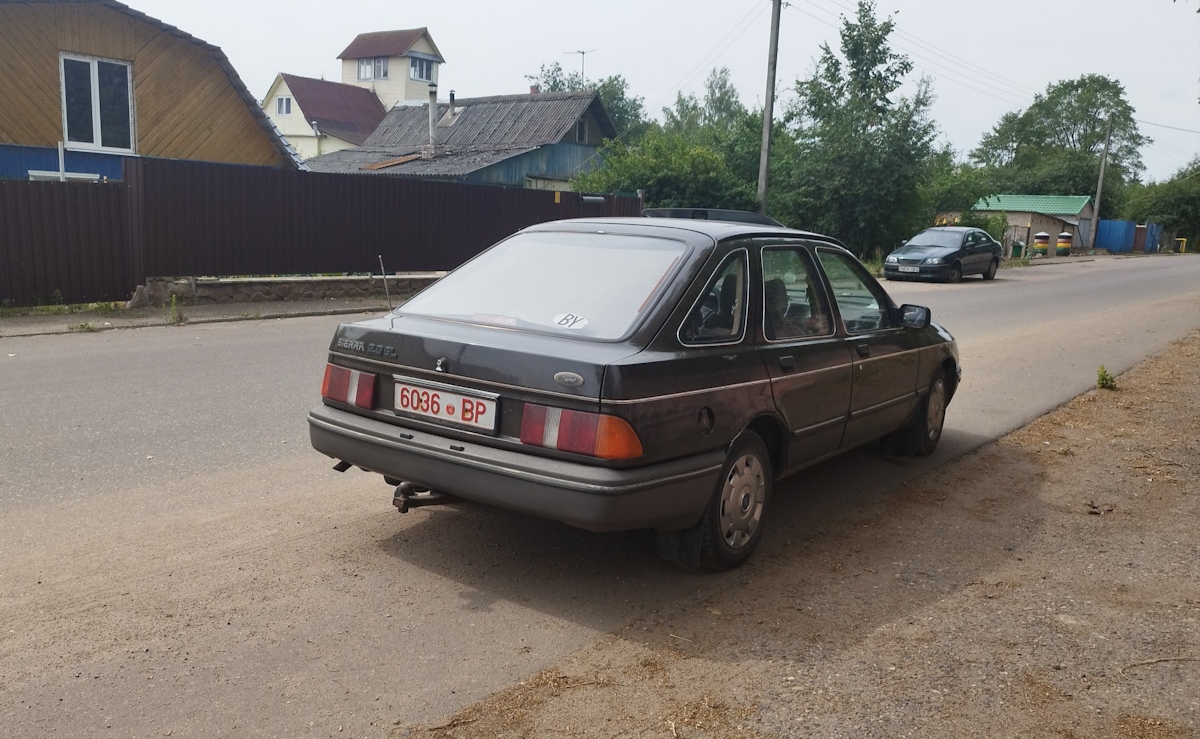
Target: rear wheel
x,y
955,273
733,522
991,270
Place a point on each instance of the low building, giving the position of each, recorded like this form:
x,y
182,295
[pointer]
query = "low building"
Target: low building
x,y
538,140
1052,214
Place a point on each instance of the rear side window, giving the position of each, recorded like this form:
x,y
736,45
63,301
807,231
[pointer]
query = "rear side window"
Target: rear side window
x,y
719,316
590,285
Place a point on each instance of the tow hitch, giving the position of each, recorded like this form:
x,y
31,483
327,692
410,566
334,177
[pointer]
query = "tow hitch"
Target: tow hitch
x,y
409,496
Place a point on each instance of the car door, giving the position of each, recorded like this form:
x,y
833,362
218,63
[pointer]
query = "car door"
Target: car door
x,y
809,366
885,362
978,252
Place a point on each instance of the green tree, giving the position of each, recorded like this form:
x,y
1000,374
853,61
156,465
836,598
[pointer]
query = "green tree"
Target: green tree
x,y
862,151
627,112
1174,203
673,172
716,116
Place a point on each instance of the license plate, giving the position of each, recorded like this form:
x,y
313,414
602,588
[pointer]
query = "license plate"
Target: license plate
x,y
446,404
910,269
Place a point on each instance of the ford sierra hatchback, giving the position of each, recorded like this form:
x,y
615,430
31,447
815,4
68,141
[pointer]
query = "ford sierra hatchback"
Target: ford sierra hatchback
x,y
631,373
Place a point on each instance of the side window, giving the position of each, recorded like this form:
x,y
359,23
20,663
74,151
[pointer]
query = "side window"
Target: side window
x,y
794,303
861,302
719,316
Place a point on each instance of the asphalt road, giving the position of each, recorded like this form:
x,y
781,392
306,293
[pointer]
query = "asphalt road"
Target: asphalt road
x,y
174,558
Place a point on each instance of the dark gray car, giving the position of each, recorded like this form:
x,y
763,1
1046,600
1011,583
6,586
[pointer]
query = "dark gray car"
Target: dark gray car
x,y
945,253
635,373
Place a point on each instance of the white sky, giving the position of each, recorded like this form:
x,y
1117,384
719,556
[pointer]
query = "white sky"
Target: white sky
x,y
984,58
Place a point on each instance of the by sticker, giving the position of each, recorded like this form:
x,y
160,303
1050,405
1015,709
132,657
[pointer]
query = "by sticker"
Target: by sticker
x,y
571,321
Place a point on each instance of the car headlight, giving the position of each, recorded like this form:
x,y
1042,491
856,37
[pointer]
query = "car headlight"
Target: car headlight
x,y
933,260
892,259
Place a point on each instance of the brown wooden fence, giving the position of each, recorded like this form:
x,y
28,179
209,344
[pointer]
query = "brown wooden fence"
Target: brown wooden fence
x,y
74,242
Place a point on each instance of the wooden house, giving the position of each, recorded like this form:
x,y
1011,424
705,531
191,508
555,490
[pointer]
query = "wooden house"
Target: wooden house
x,y
88,83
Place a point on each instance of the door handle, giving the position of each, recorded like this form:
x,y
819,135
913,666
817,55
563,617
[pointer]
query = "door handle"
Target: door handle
x,y
864,350
787,364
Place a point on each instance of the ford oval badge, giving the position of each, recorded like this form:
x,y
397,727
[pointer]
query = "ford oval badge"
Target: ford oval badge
x,y
569,379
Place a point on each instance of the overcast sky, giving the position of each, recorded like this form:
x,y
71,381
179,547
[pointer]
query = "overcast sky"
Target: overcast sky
x,y
984,59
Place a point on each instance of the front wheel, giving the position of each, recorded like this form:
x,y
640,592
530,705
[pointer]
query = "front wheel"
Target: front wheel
x,y
954,274
733,522
922,436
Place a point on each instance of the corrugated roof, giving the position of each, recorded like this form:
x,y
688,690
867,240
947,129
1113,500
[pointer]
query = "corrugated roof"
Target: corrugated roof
x,y
504,121
285,149
387,43
367,160
1049,204
348,112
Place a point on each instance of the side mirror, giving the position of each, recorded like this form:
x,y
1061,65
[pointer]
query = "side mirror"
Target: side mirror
x,y
914,316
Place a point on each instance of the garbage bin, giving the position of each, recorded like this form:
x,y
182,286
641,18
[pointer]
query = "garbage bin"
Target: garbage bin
x,y
1018,249
1041,243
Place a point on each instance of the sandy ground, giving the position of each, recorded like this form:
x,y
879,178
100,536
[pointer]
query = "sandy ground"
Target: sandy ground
x,y
1046,585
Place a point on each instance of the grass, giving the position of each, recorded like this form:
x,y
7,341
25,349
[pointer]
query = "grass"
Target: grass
x,y
7,309
175,314
1104,380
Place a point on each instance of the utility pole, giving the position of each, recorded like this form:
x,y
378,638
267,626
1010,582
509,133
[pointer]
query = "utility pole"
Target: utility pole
x,y
764,156
1099,188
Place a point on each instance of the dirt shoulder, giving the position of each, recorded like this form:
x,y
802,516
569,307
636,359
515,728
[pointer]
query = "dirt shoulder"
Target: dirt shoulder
x,y
1046,585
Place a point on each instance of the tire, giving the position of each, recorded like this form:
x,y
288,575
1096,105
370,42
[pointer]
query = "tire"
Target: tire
x,y
921,437
732,524
990,274
955,273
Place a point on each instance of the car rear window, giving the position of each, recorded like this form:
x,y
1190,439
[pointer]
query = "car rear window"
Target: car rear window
x,y
590,285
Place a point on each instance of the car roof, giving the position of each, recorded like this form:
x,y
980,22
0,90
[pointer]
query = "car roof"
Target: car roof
x,y
955,229
686,228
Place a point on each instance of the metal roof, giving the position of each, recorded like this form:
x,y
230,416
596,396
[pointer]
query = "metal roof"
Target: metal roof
x,y
348,112
285,149
1049,204
407,161
387,43
500,121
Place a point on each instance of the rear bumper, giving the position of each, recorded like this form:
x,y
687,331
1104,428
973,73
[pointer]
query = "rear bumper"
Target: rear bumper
x,y
667,496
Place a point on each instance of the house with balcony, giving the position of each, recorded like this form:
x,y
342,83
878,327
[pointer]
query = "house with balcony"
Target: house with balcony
x,y
90,83
395,65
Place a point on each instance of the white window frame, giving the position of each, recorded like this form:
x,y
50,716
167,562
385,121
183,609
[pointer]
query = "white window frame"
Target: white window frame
x,y
417,65
283,106
97,133
373,68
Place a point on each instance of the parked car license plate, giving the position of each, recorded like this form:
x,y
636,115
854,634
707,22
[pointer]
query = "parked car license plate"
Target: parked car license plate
x,y
446,404
909,269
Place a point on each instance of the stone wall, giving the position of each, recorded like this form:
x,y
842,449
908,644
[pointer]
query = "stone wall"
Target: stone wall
x,y
215,290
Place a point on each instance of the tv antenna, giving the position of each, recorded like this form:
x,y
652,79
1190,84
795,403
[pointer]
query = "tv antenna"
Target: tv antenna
x,y
582,58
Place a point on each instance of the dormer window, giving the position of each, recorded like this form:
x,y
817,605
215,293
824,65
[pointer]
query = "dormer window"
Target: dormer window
x,y
373,69
420,69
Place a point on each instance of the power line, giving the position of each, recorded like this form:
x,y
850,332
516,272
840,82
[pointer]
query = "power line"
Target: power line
x,y
1163,125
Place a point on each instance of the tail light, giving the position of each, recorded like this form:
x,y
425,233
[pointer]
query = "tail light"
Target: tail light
x,y
593,434
349,386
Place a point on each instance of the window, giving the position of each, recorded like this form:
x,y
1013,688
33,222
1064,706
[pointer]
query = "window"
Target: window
x,y
420,69
862,303
97,100
581,132
373,69
719,315
794,302
283,105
